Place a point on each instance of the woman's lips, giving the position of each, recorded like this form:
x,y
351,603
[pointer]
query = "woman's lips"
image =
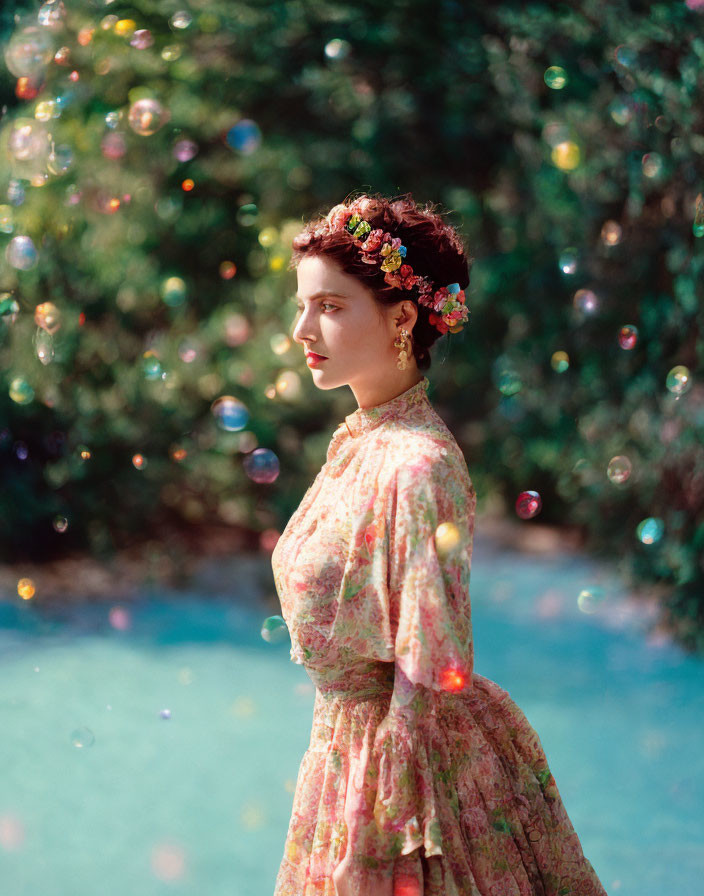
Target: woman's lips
x,y
312,359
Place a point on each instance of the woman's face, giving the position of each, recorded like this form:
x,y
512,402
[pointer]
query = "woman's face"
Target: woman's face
x,y
339,318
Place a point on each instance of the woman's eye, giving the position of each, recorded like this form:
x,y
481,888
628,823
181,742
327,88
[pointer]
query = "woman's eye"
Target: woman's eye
x,y
329,305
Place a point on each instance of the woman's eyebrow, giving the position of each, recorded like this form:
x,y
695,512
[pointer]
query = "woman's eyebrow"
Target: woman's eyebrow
x,y
323,292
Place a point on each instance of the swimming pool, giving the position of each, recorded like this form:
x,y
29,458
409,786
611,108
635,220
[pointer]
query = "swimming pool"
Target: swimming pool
x,y
155,749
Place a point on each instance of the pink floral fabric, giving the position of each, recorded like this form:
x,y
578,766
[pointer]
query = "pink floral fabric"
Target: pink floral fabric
x,y
423,776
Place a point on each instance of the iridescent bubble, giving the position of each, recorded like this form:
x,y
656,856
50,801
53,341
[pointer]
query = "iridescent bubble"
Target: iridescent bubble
x,y
650,530
566,155
21,253
679,380
337,48
82,737
652,164
171,53
48,317
230,413
262,465
29,140
274,630
555,132
112,119
173,291
44,346
619,469
620,111
245,136
29,51
139,461
591,598
165,713
46,110
146,116
528,504
185,150
60,159
247,214
62,56
151,366
555,77
628,336
52,14
568,261
181,20
227,269
20,391
142,39
60,523
9,308
560,361
586,301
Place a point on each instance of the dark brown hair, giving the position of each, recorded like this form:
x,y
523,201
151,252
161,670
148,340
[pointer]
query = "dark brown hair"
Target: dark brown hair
x,y
435,250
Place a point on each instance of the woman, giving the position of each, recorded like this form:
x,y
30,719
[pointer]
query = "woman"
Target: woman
x,y
422,777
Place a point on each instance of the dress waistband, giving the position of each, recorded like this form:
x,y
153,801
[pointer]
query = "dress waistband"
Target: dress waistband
x,y
369,679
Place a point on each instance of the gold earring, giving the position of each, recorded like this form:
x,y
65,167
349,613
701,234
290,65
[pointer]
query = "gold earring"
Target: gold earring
x,y
403,343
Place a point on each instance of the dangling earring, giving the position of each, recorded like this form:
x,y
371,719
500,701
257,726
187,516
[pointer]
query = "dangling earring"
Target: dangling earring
x,y
403,343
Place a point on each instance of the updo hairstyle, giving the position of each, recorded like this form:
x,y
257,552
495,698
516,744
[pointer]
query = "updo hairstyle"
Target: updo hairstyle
x,y
435,250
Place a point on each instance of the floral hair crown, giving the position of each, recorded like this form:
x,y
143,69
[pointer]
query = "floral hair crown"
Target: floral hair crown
x,y
449,311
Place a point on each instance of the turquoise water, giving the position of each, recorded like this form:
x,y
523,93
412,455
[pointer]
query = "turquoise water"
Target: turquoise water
x,y
199,802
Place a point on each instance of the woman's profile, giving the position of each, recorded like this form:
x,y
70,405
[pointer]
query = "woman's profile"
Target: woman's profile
x,y
422,777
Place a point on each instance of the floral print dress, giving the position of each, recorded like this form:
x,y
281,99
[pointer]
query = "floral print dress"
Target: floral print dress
x,y
424,776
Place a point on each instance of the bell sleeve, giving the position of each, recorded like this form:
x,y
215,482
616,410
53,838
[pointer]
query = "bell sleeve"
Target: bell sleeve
x,y
431,524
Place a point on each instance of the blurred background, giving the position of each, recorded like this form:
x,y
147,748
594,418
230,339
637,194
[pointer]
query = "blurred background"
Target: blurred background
x,y
158,425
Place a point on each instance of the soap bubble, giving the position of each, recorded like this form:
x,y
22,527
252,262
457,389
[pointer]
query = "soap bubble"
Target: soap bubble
x,y
48,317
185,150
560,361
82,737
619,469
628,336
528,504
20,391
52,14
555,77
21,253
173,291
245,136
181,20
230,413
650,530
337,48
29,140
44,346
29,51
60,159
586,301
262,465
274,630
142,39
9,308
679,380
146,116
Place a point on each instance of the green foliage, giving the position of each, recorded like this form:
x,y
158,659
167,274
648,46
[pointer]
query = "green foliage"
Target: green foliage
x,y
449,101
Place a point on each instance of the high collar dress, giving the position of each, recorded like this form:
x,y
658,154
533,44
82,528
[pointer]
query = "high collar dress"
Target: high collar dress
x,y
423,776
